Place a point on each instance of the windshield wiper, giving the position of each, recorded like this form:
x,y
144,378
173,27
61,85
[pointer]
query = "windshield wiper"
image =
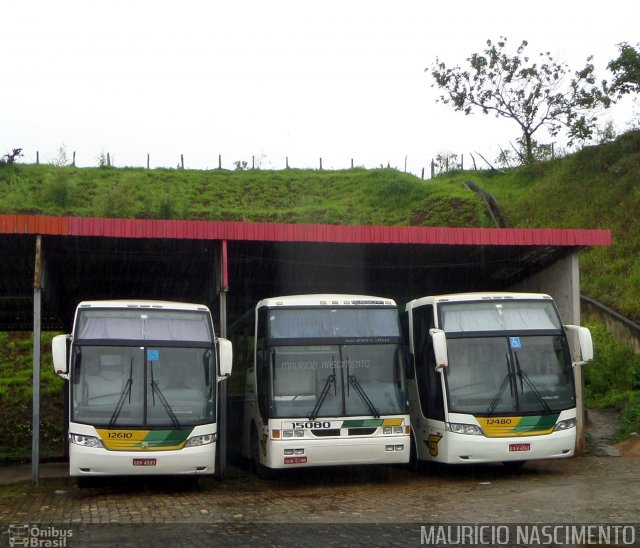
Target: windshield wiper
x,y
523,375
126,390
353,381
155,389
331,379
503,386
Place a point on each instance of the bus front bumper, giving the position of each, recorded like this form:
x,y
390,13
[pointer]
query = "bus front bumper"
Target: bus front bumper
x,y
461,448
92,461
338,452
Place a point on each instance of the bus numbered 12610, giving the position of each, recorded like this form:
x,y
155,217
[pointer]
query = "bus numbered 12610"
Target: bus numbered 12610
x,y
491,378
326,386
143,386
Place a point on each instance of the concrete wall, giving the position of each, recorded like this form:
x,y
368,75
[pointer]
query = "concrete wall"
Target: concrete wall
x,y
562,281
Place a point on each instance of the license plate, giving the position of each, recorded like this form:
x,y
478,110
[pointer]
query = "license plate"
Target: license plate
x,y
519,446
144,462
295,460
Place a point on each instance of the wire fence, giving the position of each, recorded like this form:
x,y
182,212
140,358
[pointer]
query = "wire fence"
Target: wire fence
x,y
437,166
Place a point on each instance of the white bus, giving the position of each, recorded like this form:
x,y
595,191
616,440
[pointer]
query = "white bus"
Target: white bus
x,y
491,378
143,388
326,384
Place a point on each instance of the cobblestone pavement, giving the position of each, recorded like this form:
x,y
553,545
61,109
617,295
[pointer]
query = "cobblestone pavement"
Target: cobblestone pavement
x,y
382,506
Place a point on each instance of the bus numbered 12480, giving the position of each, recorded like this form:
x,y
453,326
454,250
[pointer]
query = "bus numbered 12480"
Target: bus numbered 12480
x,y
326,386
143,388
491,378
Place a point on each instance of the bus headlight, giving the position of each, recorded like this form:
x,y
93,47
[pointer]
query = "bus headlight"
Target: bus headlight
x,y
196,441
460,428
85,441
565,425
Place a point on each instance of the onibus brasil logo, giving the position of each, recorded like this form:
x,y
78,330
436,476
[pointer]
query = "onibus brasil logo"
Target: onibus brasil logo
x,y
39,536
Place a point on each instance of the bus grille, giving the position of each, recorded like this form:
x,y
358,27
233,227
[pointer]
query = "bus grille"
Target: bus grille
x,y
326,432
361,431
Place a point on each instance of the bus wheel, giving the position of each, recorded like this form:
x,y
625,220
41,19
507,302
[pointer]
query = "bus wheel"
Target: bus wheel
x,y
413,456
85,483
514,464
260,470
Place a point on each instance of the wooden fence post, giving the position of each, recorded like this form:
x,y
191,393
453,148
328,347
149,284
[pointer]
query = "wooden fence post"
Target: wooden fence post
x,y
147,160
219,161
37,157
422,176
286,162
181,161
108,160
73,162
320,164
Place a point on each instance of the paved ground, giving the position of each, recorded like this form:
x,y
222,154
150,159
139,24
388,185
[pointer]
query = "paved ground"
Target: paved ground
x,y
382,506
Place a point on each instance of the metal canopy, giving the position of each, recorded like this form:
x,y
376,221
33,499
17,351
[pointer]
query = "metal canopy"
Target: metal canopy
x,y
180,260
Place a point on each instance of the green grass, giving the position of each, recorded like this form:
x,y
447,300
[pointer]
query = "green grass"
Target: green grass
x,y
16,393
613,379
349,197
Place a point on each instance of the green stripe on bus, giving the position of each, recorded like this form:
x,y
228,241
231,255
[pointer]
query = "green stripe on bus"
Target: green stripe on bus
x,y
362,423
166,437
541,422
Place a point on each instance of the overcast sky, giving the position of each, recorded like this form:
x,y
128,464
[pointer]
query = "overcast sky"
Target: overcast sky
x,y
305,79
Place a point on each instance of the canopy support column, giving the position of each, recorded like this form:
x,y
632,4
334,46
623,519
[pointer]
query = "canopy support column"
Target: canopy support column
x,y
37,315
222,417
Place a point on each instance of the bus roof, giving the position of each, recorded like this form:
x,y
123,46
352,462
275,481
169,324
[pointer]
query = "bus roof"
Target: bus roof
x,y
141,303
466,297
326,299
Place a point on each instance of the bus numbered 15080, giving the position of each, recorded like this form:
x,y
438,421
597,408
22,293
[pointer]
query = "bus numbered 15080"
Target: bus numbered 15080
x,y
491,378
326,386
143,386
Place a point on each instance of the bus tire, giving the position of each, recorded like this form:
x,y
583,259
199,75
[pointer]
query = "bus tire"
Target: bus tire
x,y
85,483
259,469
414,465
514,464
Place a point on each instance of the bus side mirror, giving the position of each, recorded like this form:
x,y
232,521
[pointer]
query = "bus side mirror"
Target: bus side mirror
x,y
439,348
226,357
585,342
60,353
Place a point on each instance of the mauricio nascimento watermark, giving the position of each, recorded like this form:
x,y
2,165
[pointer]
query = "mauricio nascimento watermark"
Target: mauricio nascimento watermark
x,y
39,536
530,534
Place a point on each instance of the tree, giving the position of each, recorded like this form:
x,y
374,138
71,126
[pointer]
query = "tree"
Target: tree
x,y
533,94
626,70
11,157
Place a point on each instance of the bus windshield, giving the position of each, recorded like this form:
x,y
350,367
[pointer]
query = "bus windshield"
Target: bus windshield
x,y
150,386
326,323
336,380
143,324
509,375
499,315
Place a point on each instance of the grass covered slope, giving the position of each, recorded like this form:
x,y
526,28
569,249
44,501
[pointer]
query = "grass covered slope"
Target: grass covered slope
x,y
349,197
16,395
